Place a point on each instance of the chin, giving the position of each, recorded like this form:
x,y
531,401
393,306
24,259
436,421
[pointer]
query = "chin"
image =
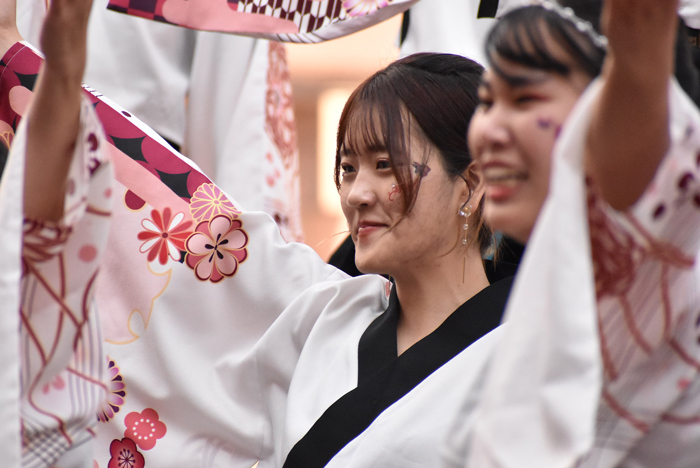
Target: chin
x,y
368,266
510,225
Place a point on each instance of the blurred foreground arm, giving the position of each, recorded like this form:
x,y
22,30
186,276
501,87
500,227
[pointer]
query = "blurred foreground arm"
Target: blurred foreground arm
x,y
54,116
629,134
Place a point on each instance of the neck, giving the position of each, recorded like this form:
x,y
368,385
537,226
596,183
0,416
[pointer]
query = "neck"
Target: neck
x,y
428,294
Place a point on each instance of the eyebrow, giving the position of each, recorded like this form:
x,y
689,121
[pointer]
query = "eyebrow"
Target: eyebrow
x,y
516,80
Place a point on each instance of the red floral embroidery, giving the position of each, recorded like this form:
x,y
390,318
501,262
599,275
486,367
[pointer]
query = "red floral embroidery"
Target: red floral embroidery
x,y
116,393
279,111
216,248
164,236
144,428
125,455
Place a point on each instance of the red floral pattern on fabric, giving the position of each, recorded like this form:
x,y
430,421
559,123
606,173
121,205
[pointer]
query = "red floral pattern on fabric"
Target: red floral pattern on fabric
x,y
216,248
125,454
209,201
116,392
279,111
144,428
164,236
57,384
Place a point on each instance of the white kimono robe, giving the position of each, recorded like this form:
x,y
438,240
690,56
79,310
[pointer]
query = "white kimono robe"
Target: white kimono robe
x,y
600,373
224,343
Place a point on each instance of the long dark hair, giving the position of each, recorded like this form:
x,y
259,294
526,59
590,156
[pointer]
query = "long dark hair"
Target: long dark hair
x,y
429,96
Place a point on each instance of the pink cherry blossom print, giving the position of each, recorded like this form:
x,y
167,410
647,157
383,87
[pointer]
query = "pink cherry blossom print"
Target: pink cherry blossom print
x,y
216,248
164,236
209,201
116,392
125,455
364,7
279,109
144,428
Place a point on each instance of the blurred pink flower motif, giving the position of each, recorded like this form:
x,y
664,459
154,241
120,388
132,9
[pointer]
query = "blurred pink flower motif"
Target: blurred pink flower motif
x,y
364,7
209,201
57,383
216,248
116,391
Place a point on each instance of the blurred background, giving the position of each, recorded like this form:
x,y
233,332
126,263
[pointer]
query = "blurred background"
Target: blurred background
x,y
323,76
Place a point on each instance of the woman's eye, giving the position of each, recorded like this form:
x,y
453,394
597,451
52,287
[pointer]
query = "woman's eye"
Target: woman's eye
x,y
346,169
525,99
485,104
383,164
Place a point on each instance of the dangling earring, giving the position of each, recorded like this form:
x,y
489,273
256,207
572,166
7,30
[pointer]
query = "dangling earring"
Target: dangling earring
x,y
465,226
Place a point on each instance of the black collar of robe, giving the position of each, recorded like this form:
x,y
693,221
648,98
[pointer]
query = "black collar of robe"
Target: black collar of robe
x,y
384,378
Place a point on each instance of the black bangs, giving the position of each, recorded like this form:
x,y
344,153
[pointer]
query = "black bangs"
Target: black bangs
x,y
523,36
424,98
375,119
373,125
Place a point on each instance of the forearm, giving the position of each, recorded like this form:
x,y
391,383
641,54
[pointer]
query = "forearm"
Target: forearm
x,y
629,132
52,128
54,115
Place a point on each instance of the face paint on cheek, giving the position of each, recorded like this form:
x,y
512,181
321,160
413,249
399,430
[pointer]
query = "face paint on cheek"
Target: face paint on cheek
x,y
421,169
394,192
544,124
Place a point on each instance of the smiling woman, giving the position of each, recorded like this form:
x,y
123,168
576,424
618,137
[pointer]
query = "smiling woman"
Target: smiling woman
x,y
598,366
408,190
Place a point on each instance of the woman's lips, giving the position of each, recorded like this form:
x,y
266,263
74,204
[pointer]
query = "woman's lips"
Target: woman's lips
x,y
366,228
502,183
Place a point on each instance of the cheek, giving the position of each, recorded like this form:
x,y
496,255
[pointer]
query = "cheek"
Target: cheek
x,y
474,136
394,192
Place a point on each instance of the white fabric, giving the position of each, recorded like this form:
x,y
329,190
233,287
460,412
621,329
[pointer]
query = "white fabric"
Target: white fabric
x,y
10,259
542,404
690,11
447,26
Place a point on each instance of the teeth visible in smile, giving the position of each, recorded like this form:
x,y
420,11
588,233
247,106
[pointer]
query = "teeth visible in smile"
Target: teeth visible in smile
x,y
494,178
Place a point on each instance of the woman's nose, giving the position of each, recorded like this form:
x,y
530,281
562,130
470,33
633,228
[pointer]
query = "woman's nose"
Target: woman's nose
x,y
363,191
493,126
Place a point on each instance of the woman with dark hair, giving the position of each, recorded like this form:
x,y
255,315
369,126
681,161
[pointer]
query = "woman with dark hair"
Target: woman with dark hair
x,y
598,366
348,372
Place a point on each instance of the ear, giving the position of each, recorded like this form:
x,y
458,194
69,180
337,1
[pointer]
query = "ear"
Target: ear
x,y
474,188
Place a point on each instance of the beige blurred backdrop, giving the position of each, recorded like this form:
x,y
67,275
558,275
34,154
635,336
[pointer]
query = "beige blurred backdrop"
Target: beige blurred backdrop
x,y
323,76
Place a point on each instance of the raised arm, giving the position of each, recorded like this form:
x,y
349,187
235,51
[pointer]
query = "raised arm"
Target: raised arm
x,y
8,26
55,111
629,134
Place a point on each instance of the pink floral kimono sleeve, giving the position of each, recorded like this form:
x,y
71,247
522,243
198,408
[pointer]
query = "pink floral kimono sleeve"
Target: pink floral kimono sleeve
x,y
187,281
305,21
62,369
